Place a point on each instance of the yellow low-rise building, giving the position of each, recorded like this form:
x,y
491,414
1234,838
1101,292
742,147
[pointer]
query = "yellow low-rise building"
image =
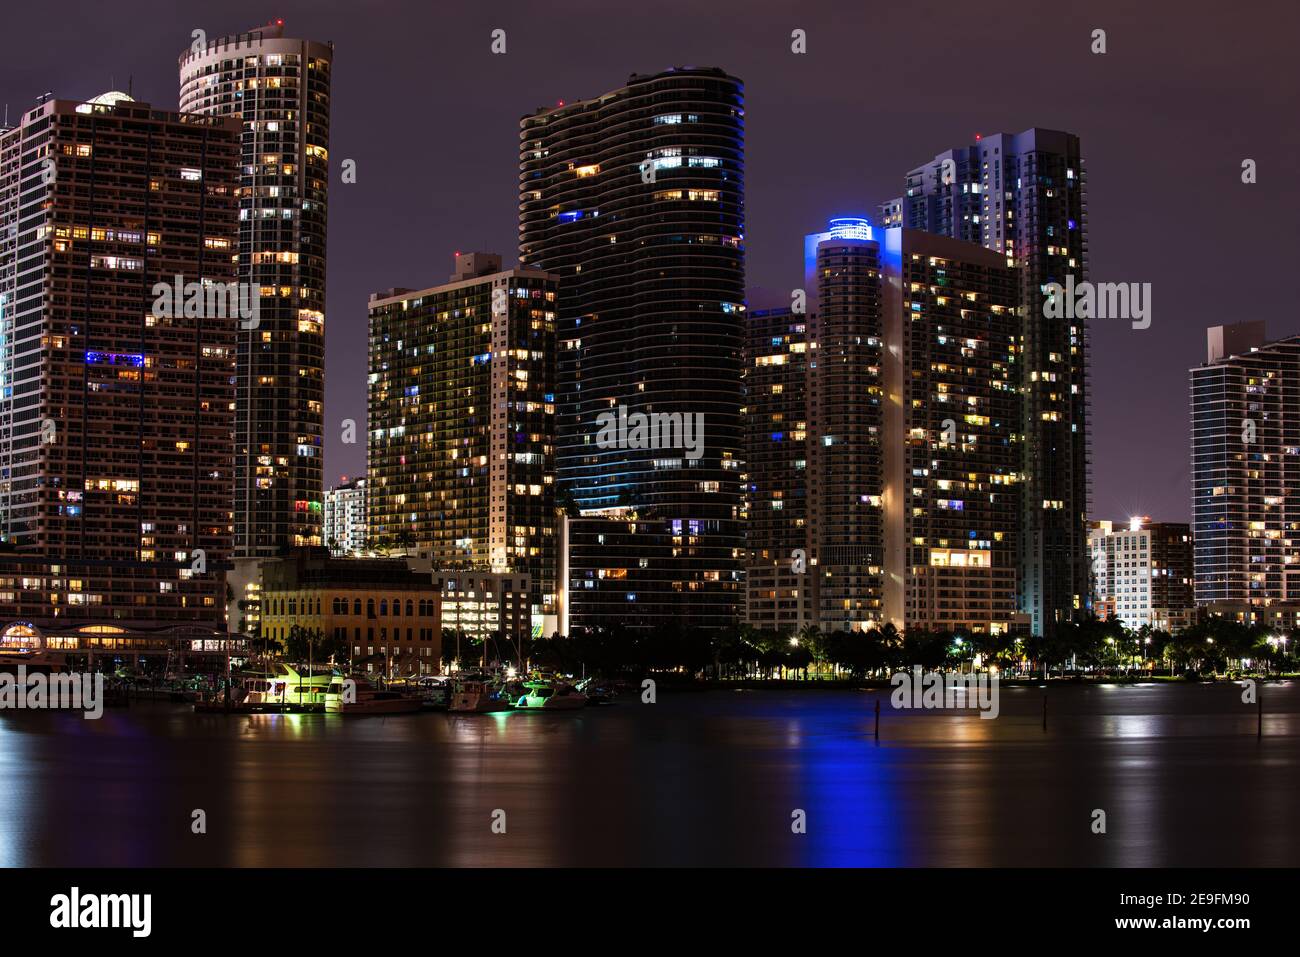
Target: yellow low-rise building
x,y
387,615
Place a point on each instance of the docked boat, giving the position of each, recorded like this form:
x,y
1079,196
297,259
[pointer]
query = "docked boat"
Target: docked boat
x,y
596,692
434,691
550,695
282,689
365,698
477,696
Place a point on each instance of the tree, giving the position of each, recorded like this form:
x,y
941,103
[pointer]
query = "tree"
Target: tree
x,y
566,503
302,643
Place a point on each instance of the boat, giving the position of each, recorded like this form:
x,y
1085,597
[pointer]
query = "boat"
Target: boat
x,y
434,691
597,693
365,698
281,689
477,695
543,694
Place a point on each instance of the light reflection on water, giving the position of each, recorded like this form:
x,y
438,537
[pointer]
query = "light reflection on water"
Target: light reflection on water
x,y
697,779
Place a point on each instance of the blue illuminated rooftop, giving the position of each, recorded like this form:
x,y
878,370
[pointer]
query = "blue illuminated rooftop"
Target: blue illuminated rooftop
x,y
850,227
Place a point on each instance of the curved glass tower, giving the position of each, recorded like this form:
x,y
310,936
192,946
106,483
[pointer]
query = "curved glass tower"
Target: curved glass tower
x,y
636,200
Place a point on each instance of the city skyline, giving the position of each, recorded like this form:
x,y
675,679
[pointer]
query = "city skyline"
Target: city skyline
x,y
1141,464
762,435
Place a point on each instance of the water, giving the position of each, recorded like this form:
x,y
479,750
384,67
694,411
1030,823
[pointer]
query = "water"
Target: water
x,y
702,778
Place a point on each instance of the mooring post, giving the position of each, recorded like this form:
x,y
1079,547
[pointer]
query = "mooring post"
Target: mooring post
x,y
877,719
1044,710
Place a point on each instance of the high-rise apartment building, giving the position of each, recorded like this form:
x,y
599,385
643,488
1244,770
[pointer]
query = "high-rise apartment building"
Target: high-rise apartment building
x,y
635,199
952,435
778,587
1024,195
115,401
1245,403
280,89
345,518
1142,573
910,456
461,454
845,267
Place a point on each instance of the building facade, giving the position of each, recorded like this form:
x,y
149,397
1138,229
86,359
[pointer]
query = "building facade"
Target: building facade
x,y
636,200
461,454
908,427
778,589
279,88
388,614
1025,195
1142,573
845,267
345,518
1245,404
488,606
116,221
953,424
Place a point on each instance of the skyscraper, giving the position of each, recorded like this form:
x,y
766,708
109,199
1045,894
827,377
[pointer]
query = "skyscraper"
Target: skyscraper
x,y
952,429
1025,195
915,418
115,409
1245,470
280,89
778,591
636,200
910,455
461,455
844,268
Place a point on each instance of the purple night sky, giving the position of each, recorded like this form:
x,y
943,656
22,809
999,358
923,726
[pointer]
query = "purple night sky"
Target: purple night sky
x,y
1186,91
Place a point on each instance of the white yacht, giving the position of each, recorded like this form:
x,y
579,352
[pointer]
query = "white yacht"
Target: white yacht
x,y
367,699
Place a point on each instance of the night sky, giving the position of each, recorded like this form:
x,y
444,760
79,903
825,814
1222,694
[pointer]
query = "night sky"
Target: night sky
x,y
1186,91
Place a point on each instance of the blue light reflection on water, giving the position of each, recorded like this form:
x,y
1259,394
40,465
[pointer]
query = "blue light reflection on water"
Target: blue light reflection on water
x,y
853,807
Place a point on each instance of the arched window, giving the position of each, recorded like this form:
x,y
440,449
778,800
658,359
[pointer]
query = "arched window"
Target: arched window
x,y
409,606
383,607
356,606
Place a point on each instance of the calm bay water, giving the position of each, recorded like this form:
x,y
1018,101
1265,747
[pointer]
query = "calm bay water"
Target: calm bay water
x,y
703,778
